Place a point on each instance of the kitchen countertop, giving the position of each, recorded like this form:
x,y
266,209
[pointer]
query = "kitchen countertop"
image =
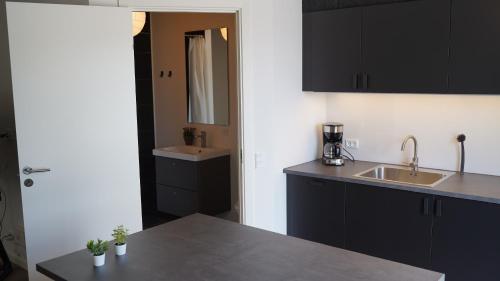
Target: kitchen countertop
x,y
477,187
200,247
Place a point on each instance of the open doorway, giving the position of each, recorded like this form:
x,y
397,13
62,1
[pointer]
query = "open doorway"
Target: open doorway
x,y
187,108
86,141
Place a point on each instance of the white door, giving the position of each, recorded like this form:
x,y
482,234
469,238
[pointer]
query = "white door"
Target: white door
x,y
74,99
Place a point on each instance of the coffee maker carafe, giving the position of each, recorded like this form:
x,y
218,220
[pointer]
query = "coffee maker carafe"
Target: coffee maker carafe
x,y
332,144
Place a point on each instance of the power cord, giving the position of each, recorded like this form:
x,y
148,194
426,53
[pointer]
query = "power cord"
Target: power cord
x,y
350,157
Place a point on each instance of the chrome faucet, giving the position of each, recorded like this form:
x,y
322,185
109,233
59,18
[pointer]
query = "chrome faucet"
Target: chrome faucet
x,y
414,162
203,138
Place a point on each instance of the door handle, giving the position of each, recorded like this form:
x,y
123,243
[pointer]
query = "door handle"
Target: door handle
x,y
355,80
439,208
29,170
365,81
426,206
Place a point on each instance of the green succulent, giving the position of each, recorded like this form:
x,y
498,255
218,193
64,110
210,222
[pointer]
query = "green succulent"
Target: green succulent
x,y
97,248
120,234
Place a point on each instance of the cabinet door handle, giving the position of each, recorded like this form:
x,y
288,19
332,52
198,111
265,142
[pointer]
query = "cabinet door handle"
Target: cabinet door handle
x,y
355,80
439,208
426,206
365,81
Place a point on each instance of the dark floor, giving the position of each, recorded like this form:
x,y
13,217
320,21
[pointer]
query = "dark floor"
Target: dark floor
x,y
18,274
230,216
152,219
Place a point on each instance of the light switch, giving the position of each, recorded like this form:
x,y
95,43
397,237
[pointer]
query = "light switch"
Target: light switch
x,y
259,160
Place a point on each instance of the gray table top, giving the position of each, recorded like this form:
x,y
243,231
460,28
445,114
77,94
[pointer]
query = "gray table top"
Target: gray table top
x,y
477,187
200,247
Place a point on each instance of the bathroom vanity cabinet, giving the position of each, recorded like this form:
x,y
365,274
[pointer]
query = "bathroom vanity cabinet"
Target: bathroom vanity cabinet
x,y
186,187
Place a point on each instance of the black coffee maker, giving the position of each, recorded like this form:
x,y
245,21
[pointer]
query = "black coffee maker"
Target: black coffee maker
x,y
332,144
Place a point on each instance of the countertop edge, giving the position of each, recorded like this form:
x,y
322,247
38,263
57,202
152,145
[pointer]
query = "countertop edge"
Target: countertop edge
x,y
412,188
42,270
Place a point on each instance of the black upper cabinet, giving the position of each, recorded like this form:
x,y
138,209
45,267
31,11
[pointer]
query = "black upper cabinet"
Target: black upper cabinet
x,y
475,45
315,210
332,50
405,46
398,47
390,224
465,240
424,46
321,5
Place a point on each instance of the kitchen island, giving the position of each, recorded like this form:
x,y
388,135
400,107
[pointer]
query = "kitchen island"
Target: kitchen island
x,y
200,247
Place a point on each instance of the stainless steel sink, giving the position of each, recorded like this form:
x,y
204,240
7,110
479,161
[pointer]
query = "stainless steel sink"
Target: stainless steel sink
x,y
397,174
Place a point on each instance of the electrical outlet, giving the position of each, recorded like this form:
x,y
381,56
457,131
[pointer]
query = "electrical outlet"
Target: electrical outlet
x,y
352,143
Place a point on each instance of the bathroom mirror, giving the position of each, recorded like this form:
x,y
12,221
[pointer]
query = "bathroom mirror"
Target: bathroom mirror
x,y
207,76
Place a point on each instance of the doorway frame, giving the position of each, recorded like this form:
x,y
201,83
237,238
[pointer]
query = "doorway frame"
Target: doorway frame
x,y
245,109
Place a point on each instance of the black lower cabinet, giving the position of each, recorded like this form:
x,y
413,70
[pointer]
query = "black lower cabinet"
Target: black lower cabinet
x,y
316,210
390,224
457,237
466,240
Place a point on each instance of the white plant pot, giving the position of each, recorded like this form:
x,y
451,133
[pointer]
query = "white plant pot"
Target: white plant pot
x,y
121,249
99,260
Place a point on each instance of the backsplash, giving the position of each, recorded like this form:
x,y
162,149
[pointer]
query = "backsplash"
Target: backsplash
x,y
381,122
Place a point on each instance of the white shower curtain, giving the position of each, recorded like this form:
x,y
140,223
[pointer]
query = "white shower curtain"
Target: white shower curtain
x,y
201,96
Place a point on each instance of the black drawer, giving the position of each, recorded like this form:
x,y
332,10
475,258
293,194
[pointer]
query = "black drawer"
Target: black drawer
x,y
177,201
176,173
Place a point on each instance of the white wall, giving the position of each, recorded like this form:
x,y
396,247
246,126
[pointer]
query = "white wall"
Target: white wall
x,y
381,121
286,120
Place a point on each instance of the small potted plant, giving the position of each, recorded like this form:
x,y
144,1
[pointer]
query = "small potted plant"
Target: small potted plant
x,y
188,135
120,234
98,249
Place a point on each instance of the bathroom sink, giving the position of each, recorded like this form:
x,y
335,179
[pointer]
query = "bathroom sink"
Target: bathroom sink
x,y
190,153
398,174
